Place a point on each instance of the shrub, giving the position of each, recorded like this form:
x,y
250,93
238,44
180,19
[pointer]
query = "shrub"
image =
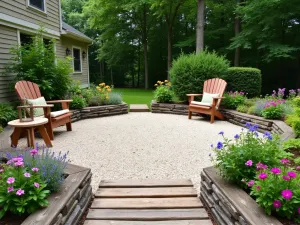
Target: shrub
x,y
273,109
236,159
189,72
163,92
242,108
291,144
233,99
7,113
258,107
78,102
245,79
38,65
114,98
277,190
21,189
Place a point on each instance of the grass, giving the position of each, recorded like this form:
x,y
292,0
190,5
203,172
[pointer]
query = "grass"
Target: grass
x,y
136,96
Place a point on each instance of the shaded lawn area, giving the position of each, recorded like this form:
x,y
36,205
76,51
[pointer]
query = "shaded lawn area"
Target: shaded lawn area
x,y
136,96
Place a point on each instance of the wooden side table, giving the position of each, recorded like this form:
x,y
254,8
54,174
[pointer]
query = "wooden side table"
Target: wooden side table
x,y
29,127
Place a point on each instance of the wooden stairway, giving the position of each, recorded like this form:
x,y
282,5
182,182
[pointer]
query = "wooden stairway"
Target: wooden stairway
x,y
147,202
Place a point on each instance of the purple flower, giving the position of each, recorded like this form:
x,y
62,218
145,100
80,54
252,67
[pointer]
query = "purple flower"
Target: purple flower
x,y
291,174
20,192
258,188
286,178
262,176
298,210
250,183
284,161
221,132
26,174
277,204
35,169
37,185
268,135
10,180
287,194
33,152
19,164
236,136
248,124
219,145
10,189
249,163
275,170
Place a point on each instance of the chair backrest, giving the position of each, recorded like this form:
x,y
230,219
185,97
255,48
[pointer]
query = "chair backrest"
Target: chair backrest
x,y
27,90
214,86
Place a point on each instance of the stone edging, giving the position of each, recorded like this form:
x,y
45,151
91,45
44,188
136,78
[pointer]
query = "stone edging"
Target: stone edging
x,y
69,204
229,204
99,111
170,108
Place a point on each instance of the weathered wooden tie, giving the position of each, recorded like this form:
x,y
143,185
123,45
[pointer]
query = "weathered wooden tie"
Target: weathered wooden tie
x,y
147,202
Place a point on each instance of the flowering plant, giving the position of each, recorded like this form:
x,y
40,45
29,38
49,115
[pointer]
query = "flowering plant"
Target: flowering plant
x,y
277,190
163,92
21,189
273,109
233,99
236,158
104,90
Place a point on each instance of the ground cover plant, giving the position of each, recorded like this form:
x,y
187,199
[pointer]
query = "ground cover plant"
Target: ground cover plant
x,y
7,113
163,92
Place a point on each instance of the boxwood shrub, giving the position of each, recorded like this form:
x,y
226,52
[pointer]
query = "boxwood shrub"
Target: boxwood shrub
x,y
244,79
189,72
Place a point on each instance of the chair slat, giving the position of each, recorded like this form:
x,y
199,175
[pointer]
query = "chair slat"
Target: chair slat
x,y
32,90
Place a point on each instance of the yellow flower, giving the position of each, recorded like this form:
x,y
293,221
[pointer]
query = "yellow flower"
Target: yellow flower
x,y
166,81
155,85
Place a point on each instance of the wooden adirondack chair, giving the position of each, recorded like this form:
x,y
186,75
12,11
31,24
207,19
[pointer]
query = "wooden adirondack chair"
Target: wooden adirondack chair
x,y
29,90
212,86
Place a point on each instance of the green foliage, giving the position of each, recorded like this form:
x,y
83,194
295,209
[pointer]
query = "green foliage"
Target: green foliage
x,y
37,62
78,102
291,144
114,98
236,159
189,72
22,191
273,112
242,108
7,113
233,99
297,161
244,79
163,92
1,129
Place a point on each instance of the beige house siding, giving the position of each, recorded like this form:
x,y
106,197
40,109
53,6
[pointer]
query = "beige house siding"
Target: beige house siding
x,y
62,45
20,10
8,39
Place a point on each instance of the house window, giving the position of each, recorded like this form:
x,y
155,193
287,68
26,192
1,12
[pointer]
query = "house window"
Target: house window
x,y
77,60
25,39
38,4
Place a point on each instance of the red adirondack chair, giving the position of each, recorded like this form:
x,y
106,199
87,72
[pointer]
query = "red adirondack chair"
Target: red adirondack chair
x,y
213,86
30,90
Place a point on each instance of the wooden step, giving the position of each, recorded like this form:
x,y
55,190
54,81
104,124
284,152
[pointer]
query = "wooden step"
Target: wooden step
x,y
138,108
170,222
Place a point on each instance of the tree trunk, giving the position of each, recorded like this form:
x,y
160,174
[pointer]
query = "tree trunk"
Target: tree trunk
x,y
139,66
111,77
237,30
145,46
200,27
170,34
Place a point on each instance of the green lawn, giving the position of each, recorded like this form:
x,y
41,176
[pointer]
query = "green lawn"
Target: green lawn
x,y
136,96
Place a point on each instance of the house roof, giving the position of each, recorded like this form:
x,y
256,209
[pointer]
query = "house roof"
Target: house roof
x,y
70,31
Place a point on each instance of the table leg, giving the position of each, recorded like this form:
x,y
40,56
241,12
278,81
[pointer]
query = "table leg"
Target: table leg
x,y
45,135
31,138
15,136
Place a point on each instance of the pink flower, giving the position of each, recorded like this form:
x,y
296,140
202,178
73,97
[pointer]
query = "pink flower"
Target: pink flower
x,y
291,174
298,168
262,176
260,166
284,161
1,170
249,163
250,183
258,188
16,159
26,174
10,180
35,169
10,189
33,152
37,185
19,163
286,178
298,210
275,170
287,194
20,192
277,204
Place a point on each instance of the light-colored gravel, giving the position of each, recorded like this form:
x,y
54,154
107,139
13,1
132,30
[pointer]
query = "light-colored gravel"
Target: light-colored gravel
x,y
142,146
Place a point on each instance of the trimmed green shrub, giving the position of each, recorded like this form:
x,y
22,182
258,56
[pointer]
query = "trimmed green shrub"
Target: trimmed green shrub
x,y
244,79
189,72
78,102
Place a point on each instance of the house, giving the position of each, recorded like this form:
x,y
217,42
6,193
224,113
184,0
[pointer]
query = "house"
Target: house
x,y
20,19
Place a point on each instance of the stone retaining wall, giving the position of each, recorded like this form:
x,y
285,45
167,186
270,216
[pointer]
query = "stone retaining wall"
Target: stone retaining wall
x,y
99,111
67,206
230,205
170,108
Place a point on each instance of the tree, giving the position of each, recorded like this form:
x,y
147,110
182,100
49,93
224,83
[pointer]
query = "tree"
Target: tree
x,y
200,26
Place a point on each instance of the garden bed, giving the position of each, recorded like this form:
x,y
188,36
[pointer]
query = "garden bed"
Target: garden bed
x,y
229,204
99,111
66,206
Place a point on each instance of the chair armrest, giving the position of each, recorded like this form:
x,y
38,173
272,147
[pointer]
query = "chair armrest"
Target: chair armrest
x,y
189,95
36,106
59,101
192,96
218,97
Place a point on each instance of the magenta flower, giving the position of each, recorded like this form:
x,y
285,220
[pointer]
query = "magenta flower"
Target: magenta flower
x,y
33,152
286,178
35,169
275,170
19,164
20,192
249,163
37,185
291,174
10,180
287,194
250,183
258,188
298,210
284,161
262,176
277,204
10,189
26,174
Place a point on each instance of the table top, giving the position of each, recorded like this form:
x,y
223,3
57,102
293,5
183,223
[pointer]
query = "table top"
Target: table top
x,y
37,122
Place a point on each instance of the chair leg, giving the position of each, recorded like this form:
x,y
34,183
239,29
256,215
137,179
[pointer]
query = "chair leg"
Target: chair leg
x,y
190,115
50,131
69,126
212,118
